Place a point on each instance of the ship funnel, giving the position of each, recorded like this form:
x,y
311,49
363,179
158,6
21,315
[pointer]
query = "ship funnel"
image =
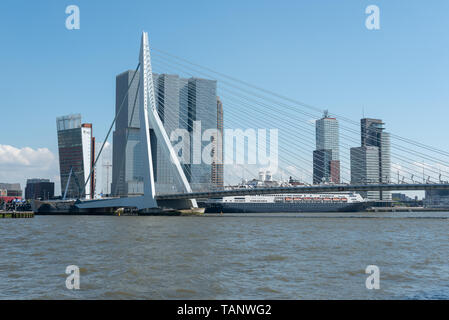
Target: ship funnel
x,y
261,175
268,176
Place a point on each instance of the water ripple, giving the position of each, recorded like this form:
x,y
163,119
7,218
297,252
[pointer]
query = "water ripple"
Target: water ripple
x,y
258,256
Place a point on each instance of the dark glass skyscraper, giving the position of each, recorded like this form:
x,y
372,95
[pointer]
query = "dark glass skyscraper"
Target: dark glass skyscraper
x,y
126,158
76,153
371,163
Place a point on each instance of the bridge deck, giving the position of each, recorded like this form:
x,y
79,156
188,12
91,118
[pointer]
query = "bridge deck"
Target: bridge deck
x,y
304,189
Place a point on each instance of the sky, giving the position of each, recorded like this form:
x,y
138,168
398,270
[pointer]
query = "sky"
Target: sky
x,y
318,52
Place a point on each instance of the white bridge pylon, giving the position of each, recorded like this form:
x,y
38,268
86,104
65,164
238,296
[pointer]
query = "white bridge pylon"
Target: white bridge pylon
x,y
149,119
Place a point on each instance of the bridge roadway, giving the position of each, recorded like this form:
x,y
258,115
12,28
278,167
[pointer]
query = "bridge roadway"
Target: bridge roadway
x,y
304,189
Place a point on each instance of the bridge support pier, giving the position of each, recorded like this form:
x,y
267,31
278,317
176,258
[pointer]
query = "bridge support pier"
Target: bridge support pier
x,y
175,204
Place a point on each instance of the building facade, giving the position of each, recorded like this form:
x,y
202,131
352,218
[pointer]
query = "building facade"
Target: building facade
x,y
326,157
10,191
127,177
401,197
218,151
76,148
373,134
167,88
366,167
39,189
103,170
201,117
437,198
321,165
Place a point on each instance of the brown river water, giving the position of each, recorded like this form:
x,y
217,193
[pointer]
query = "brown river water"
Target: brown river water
x,y
239,256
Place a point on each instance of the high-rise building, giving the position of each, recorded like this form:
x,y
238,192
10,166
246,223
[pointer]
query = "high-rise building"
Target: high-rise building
x,y
365,168
103,170
218,150
180,103
371,130
76,154
167,88
376,140
202,111
326,157
334,166
127,155
321,165
39,189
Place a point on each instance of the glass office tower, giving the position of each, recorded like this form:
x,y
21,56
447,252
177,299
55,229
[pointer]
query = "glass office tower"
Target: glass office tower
x,y
365,164
326,157
181,103
76,153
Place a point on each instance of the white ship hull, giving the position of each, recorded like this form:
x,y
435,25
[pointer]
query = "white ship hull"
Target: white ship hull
x,y
341,202
283,207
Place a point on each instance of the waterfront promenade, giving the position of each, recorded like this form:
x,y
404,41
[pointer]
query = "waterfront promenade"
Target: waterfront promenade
x,y
16,214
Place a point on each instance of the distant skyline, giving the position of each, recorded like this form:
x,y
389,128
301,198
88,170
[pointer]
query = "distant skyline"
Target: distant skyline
x,y
318,52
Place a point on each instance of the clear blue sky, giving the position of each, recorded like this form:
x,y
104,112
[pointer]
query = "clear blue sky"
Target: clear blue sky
x,y
318,52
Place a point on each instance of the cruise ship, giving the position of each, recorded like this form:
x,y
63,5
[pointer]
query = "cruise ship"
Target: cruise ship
x,y
295,202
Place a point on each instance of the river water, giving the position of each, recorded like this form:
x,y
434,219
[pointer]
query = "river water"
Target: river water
x,y
247,256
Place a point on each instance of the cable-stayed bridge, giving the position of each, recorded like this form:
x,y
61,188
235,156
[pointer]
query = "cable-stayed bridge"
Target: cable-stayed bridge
x,y
414,166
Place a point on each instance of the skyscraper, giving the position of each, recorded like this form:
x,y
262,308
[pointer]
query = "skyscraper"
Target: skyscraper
x,y
167,95
127,157
365,168
326,158
218,156
374,139
321,165
76,153
180,103
371,131
202,111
